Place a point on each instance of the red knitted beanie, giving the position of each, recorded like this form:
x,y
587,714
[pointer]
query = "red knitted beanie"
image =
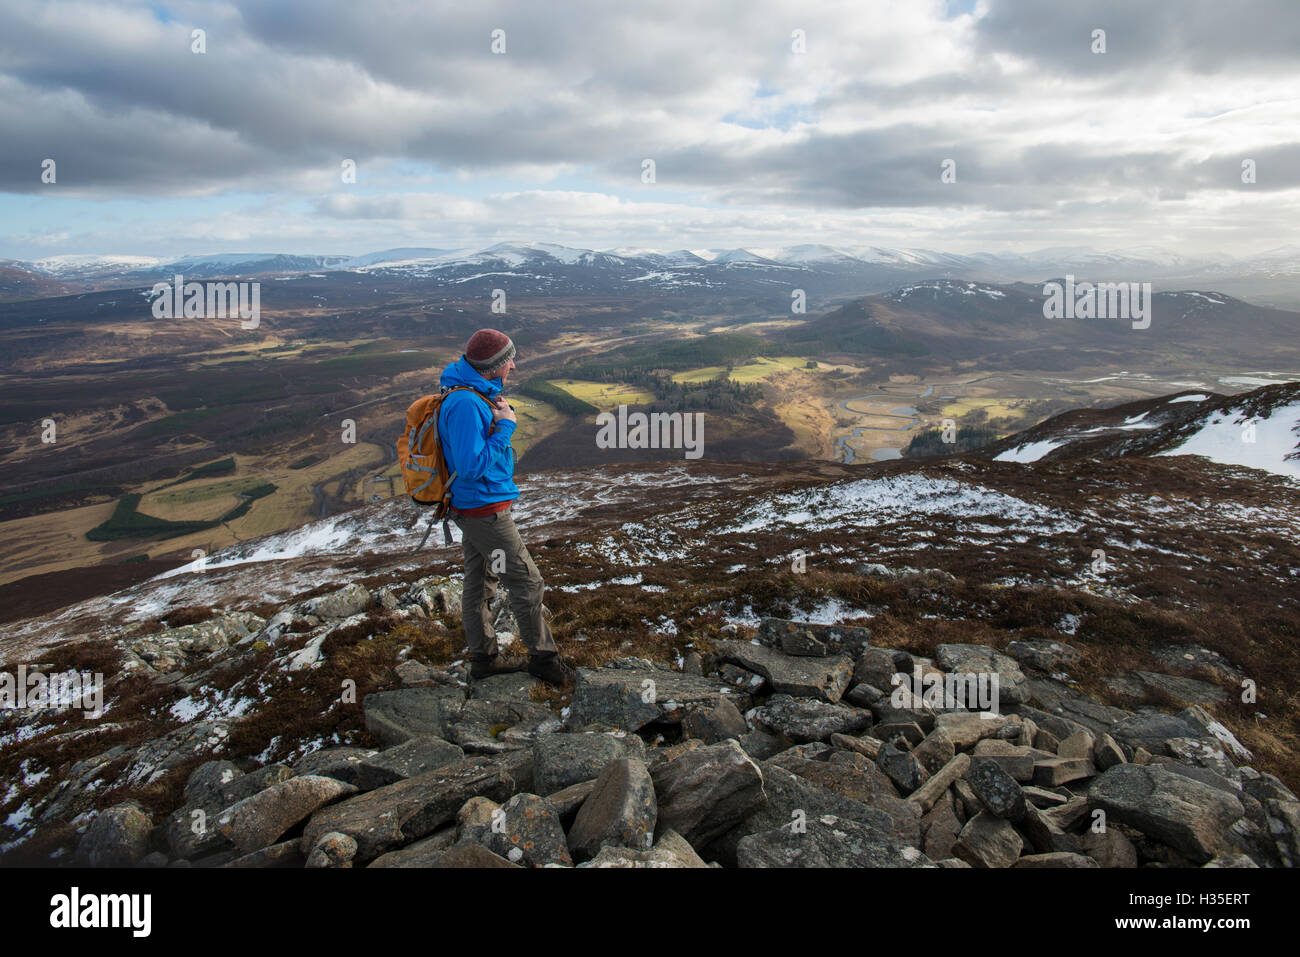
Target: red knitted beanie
x,y
488,349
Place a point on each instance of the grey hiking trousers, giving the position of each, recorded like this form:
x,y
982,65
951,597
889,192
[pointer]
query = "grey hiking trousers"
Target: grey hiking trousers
x,y
495,553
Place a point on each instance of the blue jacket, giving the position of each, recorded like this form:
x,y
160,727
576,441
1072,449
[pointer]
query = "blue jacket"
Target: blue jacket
x,y
479,454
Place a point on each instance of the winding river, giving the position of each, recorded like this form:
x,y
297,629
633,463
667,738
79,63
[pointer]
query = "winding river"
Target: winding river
x,y
903,412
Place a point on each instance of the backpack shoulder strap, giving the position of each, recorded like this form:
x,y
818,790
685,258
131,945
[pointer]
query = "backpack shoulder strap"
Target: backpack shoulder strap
x,y
458,388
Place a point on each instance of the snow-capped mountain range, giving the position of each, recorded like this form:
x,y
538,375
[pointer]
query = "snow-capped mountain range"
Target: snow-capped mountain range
x,y
1150,260
545,269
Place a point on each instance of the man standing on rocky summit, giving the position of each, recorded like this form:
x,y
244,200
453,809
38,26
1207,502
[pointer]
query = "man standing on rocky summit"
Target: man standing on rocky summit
x,y
476,445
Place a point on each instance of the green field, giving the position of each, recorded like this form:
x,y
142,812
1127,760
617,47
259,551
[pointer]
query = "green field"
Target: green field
x,y
994,407
753,371
203,493
604,395
128,522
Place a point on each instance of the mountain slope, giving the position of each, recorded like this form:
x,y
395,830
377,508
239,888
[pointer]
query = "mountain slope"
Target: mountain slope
x,y
1167,579
1258,429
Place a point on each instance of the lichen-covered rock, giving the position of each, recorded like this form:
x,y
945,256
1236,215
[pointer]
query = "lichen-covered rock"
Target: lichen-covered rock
x,y
998,790
117,837
1139,683
620,812
206,785
988,841
525,830
790,797
392,816
670,851
342,763
1283,819
714,724
155,758
803,719
437,596
410,759
1056,859
827,841
1109,848
212,787
631,698
395,717
982,660
809,640
824,678
496,725
562,760
1049,656
705,792
1016,760
332,850
1151,729
471,856
174,649
902,767
1189,816
286,854
966,728
1209,726
426,852
343,603
257,821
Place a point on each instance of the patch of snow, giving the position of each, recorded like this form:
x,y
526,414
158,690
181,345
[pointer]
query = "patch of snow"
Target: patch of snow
x,y
265,756
872,502
746,617
187,709
309,655
1229,739
20,817
1029,452
1222,440
830,612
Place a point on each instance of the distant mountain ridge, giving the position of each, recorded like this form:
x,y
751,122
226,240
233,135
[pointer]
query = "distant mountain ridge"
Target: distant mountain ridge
x,y
872,268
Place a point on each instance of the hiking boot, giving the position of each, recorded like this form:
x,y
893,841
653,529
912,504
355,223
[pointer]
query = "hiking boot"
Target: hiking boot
x,y
548,666
485,666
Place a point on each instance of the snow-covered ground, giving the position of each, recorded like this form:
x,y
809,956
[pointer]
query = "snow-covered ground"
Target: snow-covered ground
x,y
1227,439
875,501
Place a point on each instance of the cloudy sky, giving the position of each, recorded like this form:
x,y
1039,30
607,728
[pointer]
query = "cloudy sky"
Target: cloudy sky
x,y
160,150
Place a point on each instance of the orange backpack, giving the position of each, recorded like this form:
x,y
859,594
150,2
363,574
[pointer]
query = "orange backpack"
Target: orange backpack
x,y
419,453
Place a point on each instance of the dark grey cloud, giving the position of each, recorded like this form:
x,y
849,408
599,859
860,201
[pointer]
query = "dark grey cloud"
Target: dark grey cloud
x,y
900,166
1195,36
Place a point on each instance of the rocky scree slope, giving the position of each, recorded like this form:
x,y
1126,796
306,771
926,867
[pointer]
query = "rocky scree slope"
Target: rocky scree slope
x,y
783,751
